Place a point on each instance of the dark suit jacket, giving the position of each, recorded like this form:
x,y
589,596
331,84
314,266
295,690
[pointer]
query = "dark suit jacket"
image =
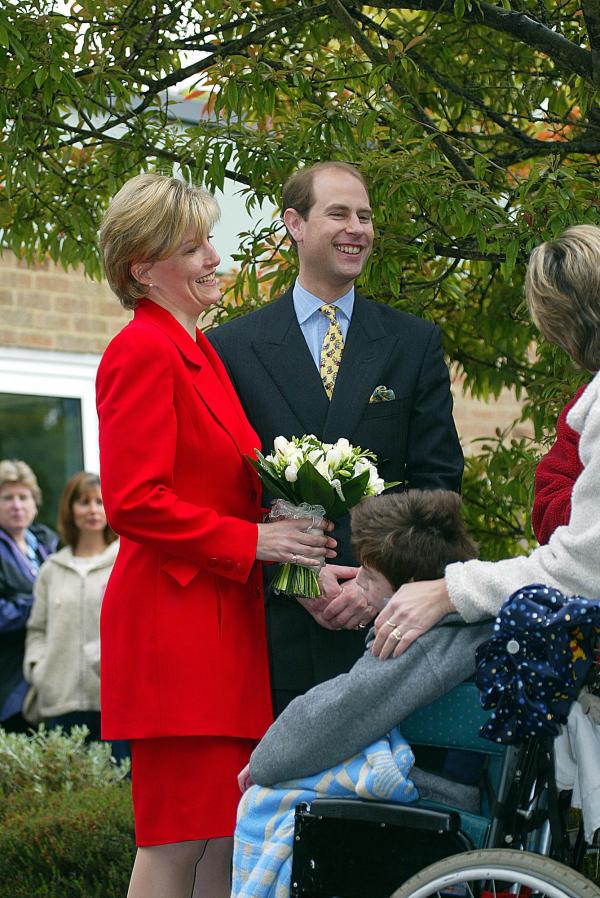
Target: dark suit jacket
x,y
413,435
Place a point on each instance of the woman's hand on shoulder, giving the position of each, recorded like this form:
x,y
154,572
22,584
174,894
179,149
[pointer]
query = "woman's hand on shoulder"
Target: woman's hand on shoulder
x,y
411,611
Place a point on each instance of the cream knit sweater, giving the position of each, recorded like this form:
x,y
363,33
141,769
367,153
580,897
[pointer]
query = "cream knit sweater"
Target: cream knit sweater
x,y
570,561
62,648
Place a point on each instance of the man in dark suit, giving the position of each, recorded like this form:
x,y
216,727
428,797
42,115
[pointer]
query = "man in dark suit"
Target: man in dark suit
x,y
390,394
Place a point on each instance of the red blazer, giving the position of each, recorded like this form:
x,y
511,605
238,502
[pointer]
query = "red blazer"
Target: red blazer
x,y
555,477
183,646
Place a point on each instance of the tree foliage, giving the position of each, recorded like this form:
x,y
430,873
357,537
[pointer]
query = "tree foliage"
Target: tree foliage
x,y
476,124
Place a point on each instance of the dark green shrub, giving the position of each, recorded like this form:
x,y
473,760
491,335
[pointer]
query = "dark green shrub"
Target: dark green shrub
x,y
67,844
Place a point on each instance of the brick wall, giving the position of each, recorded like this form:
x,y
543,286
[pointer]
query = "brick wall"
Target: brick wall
x,y
44,307
475,418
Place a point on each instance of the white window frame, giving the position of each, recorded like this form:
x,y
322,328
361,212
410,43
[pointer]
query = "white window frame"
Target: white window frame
x,y
69,375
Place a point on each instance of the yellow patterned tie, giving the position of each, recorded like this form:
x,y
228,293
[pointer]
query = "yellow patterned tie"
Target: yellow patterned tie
x,y
331,350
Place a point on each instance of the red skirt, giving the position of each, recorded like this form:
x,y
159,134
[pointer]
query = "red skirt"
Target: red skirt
x,y
185,787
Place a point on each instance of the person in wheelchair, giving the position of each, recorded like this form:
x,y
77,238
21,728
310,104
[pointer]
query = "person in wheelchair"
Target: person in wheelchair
x,y
317,745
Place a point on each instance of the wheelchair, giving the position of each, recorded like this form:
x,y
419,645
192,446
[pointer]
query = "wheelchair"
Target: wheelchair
x,y
518,845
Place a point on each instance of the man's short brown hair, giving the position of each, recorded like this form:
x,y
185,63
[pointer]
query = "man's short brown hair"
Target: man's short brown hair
x,y
411,535
298,190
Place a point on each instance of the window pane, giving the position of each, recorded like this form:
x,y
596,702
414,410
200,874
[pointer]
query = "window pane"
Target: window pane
x,y
44,431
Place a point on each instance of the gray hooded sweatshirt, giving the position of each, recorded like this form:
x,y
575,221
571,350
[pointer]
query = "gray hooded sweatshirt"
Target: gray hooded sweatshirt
x,y
335,719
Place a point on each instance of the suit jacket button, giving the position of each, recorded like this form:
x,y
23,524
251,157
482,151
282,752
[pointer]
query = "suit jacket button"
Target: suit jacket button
x,y
239,566
227,564
213,562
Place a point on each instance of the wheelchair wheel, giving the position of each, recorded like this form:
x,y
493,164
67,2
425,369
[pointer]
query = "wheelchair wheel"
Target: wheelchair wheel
x,y
492,873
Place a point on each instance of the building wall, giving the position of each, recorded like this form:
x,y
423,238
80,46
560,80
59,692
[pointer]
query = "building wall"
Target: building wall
x,y
475,419
46,308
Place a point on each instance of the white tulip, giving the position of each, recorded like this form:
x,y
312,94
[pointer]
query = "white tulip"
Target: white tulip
x,y
291,473
333,457
323,469
291,454
280,444
375,487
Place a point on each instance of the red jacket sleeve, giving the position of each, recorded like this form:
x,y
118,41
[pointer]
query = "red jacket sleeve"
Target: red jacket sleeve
x,y
554,478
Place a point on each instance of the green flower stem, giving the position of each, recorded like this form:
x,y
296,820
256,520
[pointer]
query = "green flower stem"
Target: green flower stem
x,y
295,580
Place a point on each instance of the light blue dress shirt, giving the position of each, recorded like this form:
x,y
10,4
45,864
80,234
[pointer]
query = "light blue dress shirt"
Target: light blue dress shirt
x,y
314,324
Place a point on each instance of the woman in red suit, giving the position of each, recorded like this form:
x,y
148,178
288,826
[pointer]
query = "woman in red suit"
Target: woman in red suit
x,y
184,673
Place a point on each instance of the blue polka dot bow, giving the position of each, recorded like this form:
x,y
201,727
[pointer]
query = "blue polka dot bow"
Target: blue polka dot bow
x,y
533,666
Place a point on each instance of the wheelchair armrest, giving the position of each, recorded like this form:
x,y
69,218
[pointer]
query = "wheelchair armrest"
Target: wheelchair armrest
x,y
382,812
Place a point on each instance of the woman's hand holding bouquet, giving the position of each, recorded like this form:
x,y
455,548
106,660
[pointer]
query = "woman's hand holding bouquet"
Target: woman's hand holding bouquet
x,y
284,538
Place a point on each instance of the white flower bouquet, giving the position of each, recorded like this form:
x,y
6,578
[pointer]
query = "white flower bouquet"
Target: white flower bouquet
x,y
312,479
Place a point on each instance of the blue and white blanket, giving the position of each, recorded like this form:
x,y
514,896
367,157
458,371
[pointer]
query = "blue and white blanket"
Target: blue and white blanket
x,y
262,856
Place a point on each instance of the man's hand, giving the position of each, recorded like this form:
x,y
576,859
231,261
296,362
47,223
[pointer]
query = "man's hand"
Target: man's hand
x,y
340,605
329,580
315,609
349,610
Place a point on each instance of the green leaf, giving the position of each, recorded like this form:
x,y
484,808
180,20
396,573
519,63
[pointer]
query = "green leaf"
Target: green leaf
x,y
313,488
277,488
354,489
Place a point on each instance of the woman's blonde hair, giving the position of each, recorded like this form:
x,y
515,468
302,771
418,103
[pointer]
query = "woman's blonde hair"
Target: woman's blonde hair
x,y
145,221
562,288
13,470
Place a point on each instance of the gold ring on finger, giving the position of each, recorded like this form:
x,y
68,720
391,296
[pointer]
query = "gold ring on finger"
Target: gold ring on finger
x,y
396,634
294,559
389,623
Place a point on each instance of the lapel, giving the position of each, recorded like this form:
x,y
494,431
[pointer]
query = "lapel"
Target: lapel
x,y
283,352
366,352
208,376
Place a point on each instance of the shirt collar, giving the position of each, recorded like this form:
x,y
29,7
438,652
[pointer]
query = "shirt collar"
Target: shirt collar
x,y
306,304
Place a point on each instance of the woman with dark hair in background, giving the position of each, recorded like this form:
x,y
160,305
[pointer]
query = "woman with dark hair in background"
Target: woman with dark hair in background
x,y
62,646
23,547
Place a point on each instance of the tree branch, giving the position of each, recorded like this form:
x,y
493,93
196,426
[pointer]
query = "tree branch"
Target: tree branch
x,y
591,14
565,53
377,58
275,24
145,150
586,146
